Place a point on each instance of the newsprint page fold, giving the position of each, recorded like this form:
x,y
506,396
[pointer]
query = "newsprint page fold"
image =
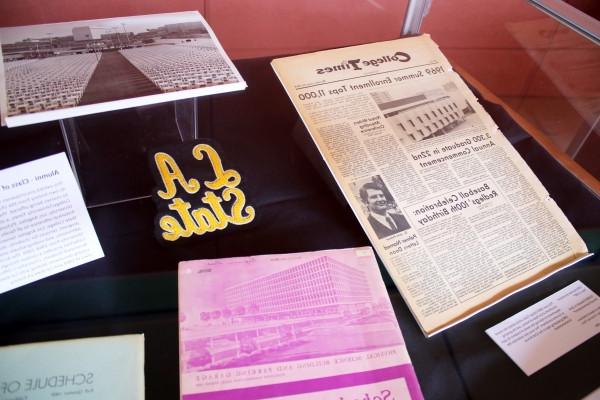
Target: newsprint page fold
x,y
456,215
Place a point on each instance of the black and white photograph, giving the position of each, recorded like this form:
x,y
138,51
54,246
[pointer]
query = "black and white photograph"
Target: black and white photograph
x,y
426,114
61,70
379,207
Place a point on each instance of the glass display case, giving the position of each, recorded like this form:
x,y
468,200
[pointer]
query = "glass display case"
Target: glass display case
x,y
536,77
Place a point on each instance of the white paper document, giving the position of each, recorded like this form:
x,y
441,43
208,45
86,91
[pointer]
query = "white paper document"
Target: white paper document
x,y
68,69
101,368
540,334
44,225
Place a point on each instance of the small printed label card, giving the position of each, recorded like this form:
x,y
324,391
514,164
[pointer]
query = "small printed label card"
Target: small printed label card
x,y
540,334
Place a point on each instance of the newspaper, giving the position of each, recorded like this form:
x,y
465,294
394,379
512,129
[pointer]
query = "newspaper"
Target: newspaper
x,y
457,217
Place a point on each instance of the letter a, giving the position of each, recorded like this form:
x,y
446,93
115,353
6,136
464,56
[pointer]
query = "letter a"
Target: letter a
x,y
170,172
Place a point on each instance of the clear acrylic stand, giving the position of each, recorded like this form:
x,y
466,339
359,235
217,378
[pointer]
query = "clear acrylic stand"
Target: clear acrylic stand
x,y
186,118
108,152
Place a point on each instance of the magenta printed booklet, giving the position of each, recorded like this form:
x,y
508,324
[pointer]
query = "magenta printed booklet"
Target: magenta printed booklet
x,y
311,326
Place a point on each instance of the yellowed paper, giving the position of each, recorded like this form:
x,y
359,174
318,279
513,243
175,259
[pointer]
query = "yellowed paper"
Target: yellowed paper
x,y
456,215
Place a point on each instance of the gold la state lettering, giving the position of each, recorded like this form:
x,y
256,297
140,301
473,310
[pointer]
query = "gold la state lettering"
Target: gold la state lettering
x,y
203,219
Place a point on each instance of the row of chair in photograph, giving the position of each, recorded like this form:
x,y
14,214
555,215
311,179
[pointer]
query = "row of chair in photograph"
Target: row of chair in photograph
x,y
10,65
49,83
179,67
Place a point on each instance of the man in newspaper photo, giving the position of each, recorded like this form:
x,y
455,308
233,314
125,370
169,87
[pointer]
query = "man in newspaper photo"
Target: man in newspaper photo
x,y
383,220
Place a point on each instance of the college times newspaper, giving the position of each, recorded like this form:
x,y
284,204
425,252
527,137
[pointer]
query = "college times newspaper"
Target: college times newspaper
x,y
458,218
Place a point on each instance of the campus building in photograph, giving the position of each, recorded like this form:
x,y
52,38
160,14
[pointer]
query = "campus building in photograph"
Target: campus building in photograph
x,y
107,62
422,116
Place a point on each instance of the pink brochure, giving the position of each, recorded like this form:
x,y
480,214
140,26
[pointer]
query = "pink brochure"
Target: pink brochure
x,y
311,326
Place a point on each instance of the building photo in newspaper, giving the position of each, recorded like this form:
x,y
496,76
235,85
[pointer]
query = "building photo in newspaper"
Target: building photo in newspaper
x,y
425,114
379,207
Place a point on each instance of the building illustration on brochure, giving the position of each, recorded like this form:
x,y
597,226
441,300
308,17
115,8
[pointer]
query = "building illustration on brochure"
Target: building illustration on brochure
x,y
291,326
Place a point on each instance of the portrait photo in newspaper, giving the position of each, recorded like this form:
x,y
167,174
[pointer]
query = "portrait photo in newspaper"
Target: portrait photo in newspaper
x,y
379,207
424,114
